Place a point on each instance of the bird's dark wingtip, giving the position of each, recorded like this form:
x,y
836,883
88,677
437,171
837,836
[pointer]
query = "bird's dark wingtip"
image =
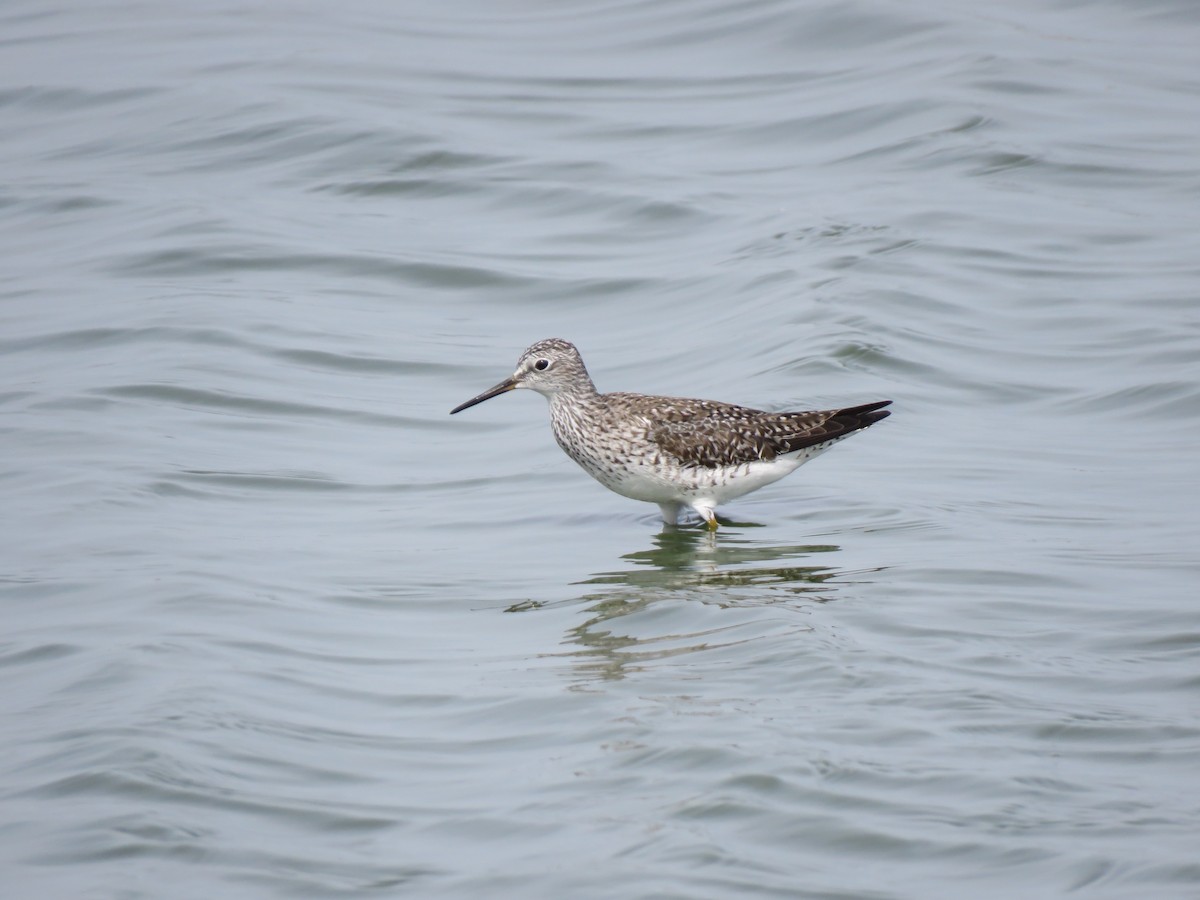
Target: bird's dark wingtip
x,y
866,415
866,408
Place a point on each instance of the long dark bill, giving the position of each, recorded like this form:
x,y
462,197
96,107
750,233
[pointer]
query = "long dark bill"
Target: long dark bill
x,y
503,387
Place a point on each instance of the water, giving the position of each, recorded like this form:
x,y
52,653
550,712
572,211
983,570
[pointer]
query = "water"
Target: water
x,y
277,626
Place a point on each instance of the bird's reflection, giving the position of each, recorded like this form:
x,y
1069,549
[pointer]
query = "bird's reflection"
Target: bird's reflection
x,y
725,570
689,558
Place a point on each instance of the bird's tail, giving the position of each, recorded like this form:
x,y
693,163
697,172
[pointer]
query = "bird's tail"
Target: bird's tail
x,y
856,418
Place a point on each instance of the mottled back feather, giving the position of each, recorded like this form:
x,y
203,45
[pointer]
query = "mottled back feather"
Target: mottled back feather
x,y
708,434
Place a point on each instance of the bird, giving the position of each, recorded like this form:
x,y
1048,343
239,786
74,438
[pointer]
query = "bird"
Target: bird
x,y
675,452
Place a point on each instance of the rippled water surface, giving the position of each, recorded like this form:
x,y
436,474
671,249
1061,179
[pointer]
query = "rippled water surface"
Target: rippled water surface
x,y
277,626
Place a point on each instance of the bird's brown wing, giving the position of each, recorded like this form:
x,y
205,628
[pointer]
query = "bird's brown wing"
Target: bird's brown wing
x,y
709,434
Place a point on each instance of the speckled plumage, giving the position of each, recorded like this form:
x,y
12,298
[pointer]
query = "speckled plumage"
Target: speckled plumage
x,y
672,451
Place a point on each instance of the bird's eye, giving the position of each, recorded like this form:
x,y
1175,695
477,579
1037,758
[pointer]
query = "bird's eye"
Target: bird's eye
x,y
542,365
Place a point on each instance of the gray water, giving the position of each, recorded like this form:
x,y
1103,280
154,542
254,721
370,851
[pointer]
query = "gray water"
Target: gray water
x,y
275,625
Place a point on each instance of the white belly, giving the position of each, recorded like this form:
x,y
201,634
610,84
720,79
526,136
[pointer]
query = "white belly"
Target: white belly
x,y
662,484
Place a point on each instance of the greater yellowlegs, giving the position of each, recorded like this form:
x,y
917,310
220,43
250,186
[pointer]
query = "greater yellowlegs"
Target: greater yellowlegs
x,y
668,450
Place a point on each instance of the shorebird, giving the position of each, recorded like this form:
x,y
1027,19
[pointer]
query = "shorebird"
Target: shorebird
x,y
669,450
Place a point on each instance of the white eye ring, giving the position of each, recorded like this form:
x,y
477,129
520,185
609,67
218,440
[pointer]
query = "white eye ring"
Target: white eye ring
x,y
542,365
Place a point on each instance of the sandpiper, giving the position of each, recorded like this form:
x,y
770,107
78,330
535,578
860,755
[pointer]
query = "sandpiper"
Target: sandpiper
x,y
669,450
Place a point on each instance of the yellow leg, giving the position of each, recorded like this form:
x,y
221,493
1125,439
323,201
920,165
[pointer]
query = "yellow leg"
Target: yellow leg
x,y
708,513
